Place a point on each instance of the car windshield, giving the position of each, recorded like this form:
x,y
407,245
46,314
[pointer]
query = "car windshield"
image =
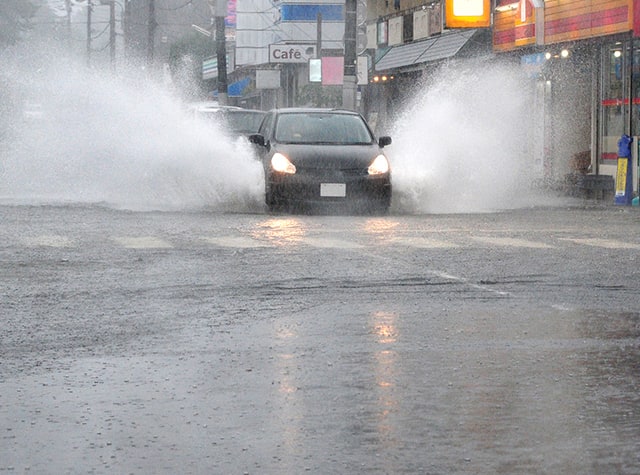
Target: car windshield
x,y
235,120
322,127
243,121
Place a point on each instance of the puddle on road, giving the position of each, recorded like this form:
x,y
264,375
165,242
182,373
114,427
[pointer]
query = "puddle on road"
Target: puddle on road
x,y
552,393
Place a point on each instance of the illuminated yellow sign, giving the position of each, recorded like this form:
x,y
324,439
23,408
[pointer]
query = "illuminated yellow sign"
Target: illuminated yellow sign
x,y
468,13
621,177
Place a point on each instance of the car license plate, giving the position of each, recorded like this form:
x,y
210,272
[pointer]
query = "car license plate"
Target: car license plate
x,y
333,190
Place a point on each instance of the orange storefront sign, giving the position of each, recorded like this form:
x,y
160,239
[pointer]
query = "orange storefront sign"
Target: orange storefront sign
x,y
564,20
468,13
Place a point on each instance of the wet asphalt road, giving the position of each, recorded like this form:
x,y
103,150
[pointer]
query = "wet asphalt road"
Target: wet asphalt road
x,y
213,343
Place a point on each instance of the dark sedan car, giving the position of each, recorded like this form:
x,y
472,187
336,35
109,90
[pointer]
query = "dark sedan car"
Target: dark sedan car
x,y
234,120
322,157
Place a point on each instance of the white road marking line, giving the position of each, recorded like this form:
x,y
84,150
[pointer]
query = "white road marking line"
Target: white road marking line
x,y
239,242
606,243
447,276
424,243
48,241
513,242
143,242
462,280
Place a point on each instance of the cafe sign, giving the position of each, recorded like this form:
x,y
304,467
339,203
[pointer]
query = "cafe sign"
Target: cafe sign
x,y
291,53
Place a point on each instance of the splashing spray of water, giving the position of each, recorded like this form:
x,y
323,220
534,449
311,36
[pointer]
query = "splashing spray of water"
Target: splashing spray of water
x,y
121,141
127,142
460,147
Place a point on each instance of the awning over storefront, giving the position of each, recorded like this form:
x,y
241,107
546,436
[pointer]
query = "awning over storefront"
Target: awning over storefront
x,y
235,89
432,49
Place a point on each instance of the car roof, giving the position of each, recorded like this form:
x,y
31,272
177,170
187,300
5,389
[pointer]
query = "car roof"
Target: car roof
x,y
209,106
217,108
200,104
240,109
295,110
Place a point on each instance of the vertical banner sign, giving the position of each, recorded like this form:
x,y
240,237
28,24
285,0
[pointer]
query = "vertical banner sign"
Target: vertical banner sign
x,y
468,13
315,70
624,178
621,176
332,70
362,70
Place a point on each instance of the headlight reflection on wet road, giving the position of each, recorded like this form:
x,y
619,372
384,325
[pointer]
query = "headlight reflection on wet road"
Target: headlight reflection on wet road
x,y
385,361
281,231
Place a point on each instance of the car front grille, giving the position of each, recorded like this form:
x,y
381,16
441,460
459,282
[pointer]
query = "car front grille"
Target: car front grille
x,y
329,172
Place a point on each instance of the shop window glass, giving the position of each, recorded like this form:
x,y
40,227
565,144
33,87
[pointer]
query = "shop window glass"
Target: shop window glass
x,y
614,102
635,86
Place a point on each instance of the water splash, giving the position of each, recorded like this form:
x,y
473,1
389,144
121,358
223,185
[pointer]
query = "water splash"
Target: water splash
x,y
461,146
123,141
127,142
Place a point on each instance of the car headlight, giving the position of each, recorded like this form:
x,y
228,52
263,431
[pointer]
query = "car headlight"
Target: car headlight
x,y
379,166
281,164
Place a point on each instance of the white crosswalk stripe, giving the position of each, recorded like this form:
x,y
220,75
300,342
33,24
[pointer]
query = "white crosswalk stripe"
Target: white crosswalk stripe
x,y
238,242
605,243
512,242
143,242
327,241
330,243
424,243
48,241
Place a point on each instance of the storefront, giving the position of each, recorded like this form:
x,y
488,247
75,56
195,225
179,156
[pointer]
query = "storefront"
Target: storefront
x,y
562,87
583,62
580,106
620,101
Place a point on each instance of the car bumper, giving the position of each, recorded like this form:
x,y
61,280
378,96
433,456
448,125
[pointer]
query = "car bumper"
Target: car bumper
x,y
360,193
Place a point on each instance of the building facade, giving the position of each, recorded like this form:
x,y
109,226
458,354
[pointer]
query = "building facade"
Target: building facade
x,y
406,41
280,38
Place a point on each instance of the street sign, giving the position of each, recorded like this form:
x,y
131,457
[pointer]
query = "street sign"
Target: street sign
x,y
291,53
362,70
315,70
210,67
267,78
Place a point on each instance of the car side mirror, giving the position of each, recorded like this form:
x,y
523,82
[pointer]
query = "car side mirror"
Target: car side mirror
x,y
384,141
257,139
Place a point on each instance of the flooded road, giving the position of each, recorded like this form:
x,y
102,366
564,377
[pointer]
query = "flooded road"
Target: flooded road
x,y
199,342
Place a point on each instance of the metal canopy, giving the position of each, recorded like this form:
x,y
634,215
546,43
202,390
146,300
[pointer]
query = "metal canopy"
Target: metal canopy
x,y
432,49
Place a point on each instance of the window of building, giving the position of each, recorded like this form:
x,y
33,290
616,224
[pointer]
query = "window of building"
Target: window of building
x,y
407,28
382,33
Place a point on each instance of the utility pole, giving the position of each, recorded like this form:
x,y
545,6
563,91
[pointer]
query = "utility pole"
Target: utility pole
x,y
126,30
318,35
112,34
221,51
89,8
67,5
349,85
151,33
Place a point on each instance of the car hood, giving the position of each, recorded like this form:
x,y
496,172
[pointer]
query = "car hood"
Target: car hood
x,y
341,157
